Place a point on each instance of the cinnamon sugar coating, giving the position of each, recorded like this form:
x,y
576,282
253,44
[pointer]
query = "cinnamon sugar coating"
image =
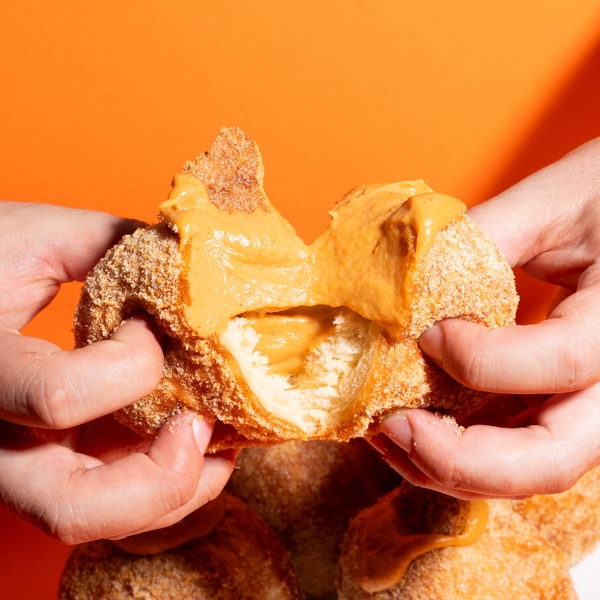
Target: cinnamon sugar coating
x,y
569,520
307,492
232,172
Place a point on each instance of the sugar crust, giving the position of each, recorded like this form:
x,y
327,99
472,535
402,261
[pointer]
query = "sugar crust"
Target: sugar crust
x,y
511,559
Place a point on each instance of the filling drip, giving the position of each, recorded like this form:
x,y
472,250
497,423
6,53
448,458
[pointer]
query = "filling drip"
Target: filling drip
x,y
299,362
385,554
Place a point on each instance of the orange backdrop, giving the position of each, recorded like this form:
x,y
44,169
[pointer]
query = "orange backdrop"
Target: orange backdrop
x,y
101,102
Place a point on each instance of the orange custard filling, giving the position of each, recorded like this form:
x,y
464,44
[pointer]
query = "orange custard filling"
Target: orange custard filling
x,y
384,554
240,262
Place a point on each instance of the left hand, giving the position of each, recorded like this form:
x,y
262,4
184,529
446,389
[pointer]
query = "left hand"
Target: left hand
x,y
66,465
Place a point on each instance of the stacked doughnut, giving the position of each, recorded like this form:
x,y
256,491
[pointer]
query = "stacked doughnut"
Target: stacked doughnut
x,y
318,498
241,558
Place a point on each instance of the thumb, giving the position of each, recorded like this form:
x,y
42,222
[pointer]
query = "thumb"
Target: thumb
x,y
554,356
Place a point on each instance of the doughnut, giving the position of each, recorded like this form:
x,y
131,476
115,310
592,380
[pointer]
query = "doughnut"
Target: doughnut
x,y
241,559
569,520
308,492
277,340
503,556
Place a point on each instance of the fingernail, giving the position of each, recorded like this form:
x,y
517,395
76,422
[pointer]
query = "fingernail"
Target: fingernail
x,y
431,342
397,428
202,431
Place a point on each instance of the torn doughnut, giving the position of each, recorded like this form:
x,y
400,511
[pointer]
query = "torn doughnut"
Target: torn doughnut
x,y
278,340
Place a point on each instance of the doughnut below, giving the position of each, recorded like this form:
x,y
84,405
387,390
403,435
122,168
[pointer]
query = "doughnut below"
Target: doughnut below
x,y
242,559
508,559
308,492
570,520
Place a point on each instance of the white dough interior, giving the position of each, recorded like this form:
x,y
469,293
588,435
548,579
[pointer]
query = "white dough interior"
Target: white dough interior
x,y
312,399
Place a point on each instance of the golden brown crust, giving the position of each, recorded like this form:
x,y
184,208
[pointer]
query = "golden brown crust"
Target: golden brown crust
x,y
307,492
241,560
231,171
463,275
570,520
510,560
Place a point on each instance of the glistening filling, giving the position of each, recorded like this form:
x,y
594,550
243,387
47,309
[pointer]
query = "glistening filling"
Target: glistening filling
x,y
299,362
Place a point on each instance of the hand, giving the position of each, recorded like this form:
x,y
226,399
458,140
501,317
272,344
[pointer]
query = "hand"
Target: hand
x,y
198,524
64,466
547,373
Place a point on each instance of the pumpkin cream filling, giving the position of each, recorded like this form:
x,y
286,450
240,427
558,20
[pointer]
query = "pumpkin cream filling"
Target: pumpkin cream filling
x,y
384,554
298,318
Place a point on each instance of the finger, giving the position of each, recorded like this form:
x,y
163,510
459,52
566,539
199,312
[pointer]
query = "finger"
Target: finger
x,y
75,504
513,219
108,440
215,474
555,356
398,460
68,242
546,457
43,386
56,246
197,524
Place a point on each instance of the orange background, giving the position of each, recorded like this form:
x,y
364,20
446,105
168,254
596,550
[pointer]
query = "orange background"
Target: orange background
x,y
101,102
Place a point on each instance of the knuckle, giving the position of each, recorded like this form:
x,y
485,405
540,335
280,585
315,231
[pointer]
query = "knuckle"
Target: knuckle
x,y
449,473
62,525
63,533
559,474
177,491
51,400
474,370
466,359
208,492
150,362
576,369
556,483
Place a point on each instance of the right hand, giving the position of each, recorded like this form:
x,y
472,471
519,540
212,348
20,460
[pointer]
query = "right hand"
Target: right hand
x,y
549,224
